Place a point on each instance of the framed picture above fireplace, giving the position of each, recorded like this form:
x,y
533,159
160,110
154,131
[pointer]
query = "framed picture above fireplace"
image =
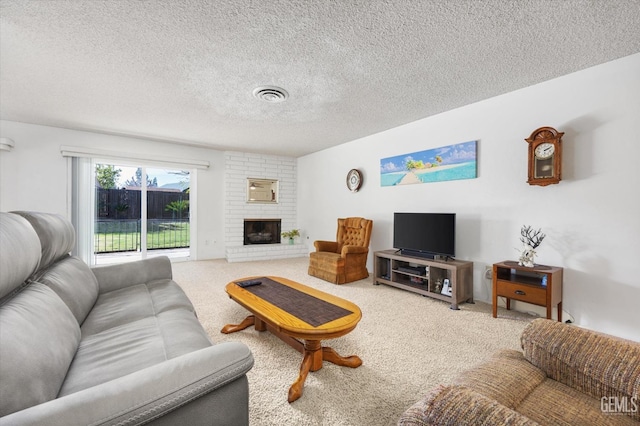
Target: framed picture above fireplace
x,y
262,190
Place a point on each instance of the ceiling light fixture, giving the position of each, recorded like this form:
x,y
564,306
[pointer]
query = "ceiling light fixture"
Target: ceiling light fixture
x,y
271,94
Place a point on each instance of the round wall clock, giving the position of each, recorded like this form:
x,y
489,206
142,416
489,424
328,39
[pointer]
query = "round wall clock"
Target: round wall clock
x,y
354,180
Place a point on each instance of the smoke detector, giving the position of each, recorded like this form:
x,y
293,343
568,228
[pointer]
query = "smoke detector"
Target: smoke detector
x,y
271,94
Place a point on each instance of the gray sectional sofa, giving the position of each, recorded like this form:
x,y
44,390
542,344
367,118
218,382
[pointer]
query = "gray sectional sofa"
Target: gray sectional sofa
x,y
119,344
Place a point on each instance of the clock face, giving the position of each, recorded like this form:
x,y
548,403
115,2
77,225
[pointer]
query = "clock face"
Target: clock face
x,y
545,150
354,180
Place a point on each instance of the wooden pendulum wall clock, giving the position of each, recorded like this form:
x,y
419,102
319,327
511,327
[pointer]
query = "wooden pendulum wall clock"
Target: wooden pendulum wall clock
x,y
545,156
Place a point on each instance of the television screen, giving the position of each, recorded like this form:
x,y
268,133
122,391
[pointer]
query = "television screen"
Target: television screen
x,y
425,234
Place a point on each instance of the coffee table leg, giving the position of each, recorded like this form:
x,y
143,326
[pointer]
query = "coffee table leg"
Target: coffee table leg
x,y
232,328
329,354
314,355
311,361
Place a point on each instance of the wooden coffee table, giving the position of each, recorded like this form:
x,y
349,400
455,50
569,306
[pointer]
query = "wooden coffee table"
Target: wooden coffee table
x,y
289,301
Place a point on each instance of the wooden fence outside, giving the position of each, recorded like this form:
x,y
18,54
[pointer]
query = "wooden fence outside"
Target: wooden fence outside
x,y
125,204
118,220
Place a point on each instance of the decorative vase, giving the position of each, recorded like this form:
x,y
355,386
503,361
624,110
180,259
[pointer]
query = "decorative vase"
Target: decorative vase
x,y
291,240
527,256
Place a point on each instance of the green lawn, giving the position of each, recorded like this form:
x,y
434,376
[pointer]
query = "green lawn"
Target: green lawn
x,y
160,235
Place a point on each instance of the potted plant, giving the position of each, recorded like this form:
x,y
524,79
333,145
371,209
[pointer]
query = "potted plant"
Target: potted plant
x,y
291,235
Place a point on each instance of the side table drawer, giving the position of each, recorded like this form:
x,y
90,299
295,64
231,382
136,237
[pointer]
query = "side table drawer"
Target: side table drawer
x,y
524,293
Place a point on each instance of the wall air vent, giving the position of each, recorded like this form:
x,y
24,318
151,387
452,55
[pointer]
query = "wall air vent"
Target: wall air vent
x,y
271,94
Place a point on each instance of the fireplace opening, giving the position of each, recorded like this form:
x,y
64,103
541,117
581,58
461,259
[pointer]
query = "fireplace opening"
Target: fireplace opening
x,y
262,231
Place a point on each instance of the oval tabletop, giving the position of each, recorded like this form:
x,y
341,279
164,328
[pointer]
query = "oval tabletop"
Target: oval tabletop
x,y
290,324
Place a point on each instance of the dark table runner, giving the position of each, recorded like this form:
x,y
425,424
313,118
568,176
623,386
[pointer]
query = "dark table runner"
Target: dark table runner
x,y
514,263
305,307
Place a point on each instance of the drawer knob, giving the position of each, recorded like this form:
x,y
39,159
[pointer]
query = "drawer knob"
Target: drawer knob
x,y
520,292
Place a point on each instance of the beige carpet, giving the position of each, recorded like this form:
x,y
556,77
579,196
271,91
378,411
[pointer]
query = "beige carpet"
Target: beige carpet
x,y
408,344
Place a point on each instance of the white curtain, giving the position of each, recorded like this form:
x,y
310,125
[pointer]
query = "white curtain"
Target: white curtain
x,y
83,196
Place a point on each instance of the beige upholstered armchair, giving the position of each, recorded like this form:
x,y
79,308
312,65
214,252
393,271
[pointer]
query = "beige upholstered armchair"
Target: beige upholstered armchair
x,y
344,260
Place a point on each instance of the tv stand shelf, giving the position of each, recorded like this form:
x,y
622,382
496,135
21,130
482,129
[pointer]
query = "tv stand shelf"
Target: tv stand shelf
x,y
422,276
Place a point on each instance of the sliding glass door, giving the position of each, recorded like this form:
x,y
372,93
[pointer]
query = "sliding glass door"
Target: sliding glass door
x,y
117,216
168,221
140,212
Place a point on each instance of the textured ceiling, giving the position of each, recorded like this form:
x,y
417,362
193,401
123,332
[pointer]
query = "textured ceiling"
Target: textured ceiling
x,y
184,70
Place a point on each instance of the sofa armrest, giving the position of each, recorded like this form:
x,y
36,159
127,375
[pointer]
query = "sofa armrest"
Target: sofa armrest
x,y
330,246
115,277
154,392
595,363
459,405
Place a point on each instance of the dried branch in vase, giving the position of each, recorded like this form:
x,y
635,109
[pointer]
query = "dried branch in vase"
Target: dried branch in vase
x,y
531,237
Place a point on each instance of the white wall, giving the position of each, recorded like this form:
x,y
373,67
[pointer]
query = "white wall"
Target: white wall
x,y
592,218
34,175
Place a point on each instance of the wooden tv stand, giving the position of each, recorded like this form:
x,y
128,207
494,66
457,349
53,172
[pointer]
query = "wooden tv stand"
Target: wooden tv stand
x,y
387,266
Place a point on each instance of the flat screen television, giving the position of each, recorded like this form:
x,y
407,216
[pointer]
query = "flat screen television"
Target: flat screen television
x,y
425,234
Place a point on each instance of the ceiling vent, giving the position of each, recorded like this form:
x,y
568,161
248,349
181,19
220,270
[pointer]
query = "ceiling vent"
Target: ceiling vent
x,y
271,94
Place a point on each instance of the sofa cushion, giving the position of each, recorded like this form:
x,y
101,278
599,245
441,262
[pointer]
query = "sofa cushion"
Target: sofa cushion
x,y
74,283
506,377
39,336
553,403
133,303
56,234
20,252
131,347
131,329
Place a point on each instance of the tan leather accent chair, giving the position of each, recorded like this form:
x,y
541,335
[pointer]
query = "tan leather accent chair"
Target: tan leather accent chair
x,y
344,260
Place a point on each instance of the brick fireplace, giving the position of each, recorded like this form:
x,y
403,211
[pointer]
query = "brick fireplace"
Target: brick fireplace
x,y
239,166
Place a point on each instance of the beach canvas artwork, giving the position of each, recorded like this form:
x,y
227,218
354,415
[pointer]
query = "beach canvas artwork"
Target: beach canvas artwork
x,y
450,162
